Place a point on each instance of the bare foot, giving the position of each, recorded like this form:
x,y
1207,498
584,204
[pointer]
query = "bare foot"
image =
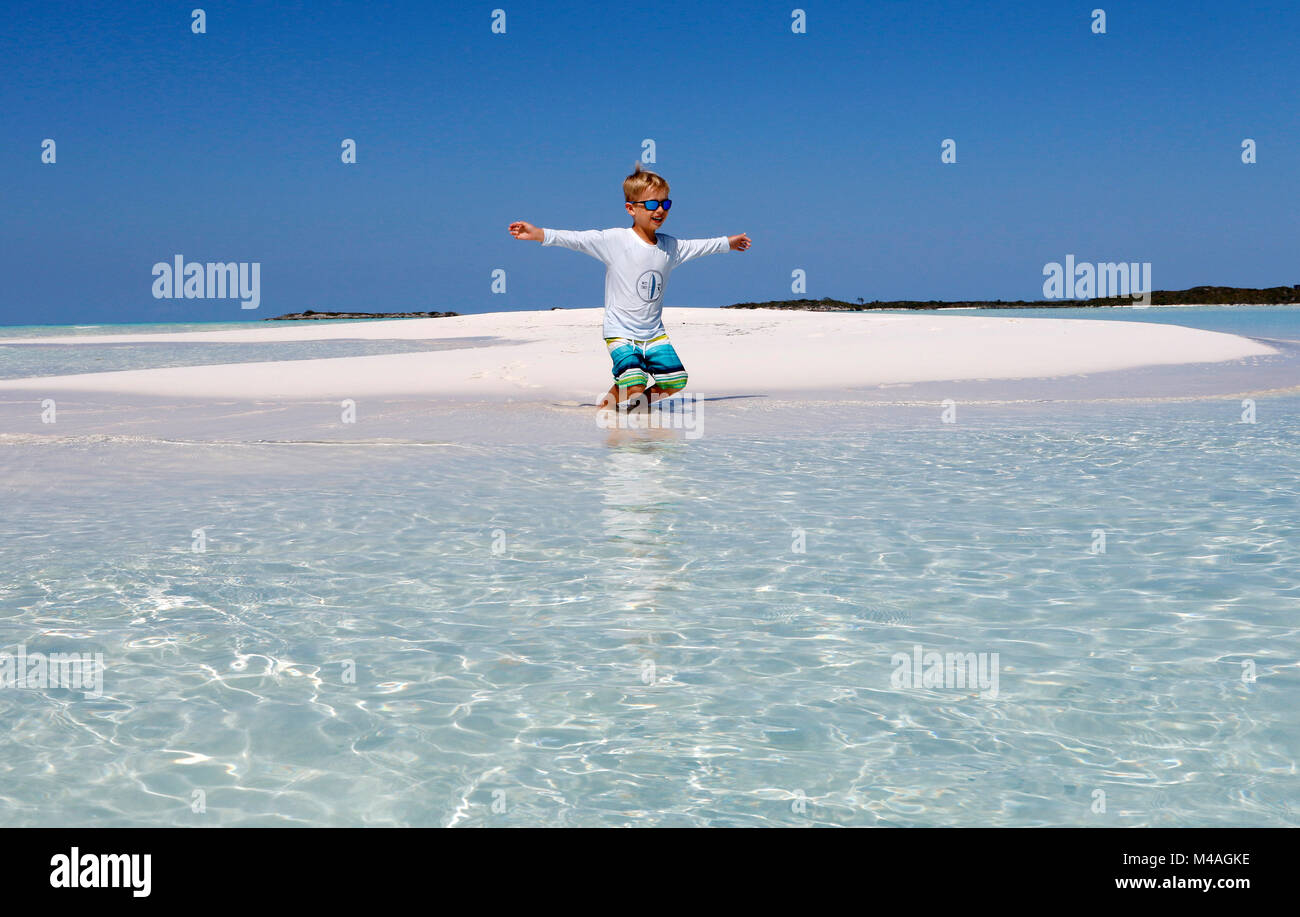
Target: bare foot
x,y
638,402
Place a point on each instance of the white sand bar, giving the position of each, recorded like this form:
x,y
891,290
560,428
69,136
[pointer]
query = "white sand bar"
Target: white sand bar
x,y
548,355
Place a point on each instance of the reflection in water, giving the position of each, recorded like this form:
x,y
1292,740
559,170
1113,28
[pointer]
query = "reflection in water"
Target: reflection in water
x,y
641,493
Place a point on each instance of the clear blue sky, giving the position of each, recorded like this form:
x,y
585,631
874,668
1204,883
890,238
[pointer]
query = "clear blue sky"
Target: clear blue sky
x,y
824,147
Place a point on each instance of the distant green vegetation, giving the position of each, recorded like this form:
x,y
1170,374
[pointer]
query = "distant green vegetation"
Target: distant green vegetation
x,y
1196,296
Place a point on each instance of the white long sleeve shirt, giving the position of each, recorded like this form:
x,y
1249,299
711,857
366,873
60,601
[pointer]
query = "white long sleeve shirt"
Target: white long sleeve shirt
x,y
636,273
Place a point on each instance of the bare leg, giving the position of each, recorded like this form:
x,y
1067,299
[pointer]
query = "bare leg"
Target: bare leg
x,y
636,401
657,393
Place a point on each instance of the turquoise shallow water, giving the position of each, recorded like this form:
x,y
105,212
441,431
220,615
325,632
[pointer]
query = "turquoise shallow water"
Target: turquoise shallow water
x,y
667,631
110,328
648,648
19,361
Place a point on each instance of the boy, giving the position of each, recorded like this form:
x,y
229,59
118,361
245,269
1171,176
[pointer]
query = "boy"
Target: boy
x,y
638,260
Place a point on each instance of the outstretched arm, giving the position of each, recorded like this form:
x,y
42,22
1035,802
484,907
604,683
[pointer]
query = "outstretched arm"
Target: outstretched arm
x,y
589,241
695,248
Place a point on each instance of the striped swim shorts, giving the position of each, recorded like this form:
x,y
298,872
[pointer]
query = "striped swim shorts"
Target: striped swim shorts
x,y
634,361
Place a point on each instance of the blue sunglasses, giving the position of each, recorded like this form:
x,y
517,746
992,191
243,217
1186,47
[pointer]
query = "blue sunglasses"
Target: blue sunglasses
x,y
654,205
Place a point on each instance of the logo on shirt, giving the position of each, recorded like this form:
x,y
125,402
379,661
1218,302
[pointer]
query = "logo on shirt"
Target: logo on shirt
x,y
650,285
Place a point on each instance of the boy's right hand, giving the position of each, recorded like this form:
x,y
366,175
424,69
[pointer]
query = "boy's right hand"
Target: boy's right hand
x,y
525,231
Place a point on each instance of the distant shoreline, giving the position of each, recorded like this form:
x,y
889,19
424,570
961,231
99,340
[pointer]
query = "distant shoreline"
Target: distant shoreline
x,y
312,314
1195,296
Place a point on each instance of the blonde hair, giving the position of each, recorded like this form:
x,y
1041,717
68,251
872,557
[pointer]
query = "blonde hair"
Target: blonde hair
x,y
636,185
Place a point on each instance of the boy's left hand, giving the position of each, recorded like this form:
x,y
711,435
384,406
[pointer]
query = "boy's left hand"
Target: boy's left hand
x,y
739,243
